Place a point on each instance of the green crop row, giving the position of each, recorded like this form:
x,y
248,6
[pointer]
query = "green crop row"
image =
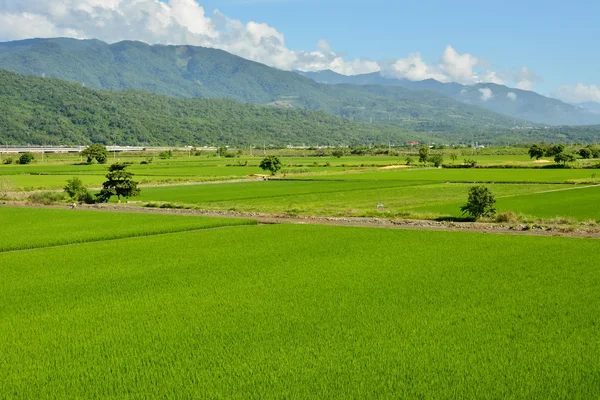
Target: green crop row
x,y
302,312
26,228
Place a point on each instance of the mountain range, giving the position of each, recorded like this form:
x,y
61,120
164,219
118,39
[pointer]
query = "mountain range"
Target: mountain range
x,y
377,107
197,72
522,104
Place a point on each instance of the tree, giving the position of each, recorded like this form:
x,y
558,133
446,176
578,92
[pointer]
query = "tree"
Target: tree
x,y
75,188
564,158
26,158
95,152
453,157
78,192
271,163
409,160
536,151
165,155
437,160
119,183
555,150
337,153
423,154
585,153
480,203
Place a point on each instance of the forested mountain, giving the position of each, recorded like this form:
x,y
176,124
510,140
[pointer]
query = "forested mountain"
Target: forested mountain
x,y
48,111
188,71
501,99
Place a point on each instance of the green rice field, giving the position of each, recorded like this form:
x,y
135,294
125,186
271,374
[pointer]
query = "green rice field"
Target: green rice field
x,y
285,311
25,228
353,198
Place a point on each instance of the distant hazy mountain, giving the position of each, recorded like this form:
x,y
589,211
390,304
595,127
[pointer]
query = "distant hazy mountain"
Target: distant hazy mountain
x,y
517,103
591,106
188,71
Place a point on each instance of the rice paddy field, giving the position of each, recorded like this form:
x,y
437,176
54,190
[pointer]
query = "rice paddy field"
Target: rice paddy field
x,y
294,311
352,198
25,228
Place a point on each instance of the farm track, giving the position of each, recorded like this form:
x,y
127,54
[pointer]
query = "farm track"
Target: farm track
x,y
385,223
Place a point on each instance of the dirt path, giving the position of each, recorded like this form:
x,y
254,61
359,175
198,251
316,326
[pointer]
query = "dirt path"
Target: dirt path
x,y
262,218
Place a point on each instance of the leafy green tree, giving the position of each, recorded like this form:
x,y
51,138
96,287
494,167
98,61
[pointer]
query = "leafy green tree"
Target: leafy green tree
x,y
437,160
453,157
480,203
96,152
555,150
338,153
165,155
26,158
119,183
585,153
423,154
564,158
409,160
595,149
75,188
536,151
271,163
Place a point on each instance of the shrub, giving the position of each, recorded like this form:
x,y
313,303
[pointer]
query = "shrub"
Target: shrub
x,y
26,158
165,155
507,217
8,161
436,160
47,198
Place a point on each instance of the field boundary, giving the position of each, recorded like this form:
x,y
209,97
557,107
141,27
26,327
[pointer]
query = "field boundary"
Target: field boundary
x,y
370,222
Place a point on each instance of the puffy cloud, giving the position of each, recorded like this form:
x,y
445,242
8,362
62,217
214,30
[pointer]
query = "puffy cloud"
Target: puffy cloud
x,y
166,22
525,79
511,96
452,67
486,94
579,93
186,22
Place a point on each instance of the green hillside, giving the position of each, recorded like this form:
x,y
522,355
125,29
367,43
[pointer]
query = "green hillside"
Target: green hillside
x,y
197,72
50,111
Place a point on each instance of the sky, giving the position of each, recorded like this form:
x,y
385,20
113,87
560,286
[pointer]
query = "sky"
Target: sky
x,y
547,46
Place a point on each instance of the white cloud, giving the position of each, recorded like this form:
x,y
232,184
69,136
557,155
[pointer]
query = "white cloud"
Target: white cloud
x,y
579,93
168,22
525,79
452,67
486,94
186,22
511,96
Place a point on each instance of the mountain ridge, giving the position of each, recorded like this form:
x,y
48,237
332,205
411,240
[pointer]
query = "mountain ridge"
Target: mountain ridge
x,y
523,104
198,72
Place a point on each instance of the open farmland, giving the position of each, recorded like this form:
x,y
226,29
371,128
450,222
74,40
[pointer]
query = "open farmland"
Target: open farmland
x,y
579,202
25,228
302,311
338,198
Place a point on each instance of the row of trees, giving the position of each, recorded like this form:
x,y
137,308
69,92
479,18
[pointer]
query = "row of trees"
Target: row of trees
x,y
561,156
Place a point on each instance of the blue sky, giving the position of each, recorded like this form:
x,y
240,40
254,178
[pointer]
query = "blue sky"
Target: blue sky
x,y
558,40
547,46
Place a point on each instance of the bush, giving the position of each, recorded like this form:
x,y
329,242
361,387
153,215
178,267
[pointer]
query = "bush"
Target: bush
x,y
507,217
26,158
47,198
165,155
8,161
436,160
